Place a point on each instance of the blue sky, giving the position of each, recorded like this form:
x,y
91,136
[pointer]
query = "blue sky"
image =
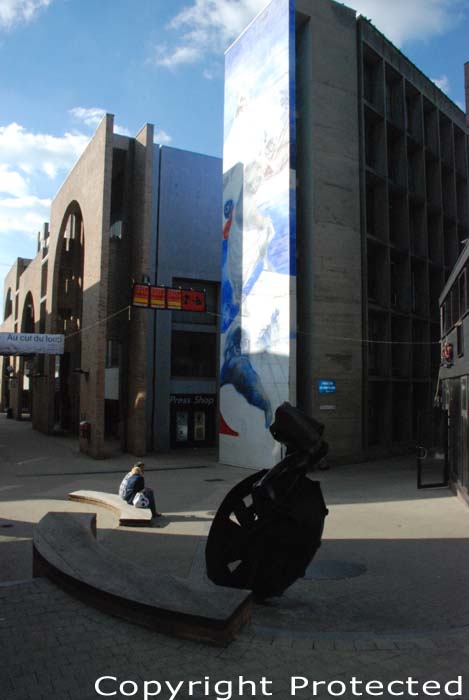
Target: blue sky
x,y
64,62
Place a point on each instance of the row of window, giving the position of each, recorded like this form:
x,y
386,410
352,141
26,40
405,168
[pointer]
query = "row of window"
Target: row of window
x,y
193,351
192,354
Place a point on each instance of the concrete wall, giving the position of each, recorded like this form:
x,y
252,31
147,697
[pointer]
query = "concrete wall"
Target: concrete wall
x,y
403,65
328,216
188,246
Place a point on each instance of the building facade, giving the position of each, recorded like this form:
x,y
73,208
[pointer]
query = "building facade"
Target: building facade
x,y
130,211
356,167
454,371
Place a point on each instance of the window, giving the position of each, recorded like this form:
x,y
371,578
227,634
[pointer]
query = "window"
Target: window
x,y
193,354
113,353
115,232
446,315
8,305
466,270
460,340
454,305
442,319
462,293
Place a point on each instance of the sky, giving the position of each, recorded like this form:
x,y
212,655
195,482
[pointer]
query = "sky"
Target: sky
x,y
64,63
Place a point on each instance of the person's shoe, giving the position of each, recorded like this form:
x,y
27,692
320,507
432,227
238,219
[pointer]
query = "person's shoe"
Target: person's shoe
x,y
158,515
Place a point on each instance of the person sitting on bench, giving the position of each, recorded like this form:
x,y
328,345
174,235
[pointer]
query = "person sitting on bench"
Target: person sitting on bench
x,y
133,490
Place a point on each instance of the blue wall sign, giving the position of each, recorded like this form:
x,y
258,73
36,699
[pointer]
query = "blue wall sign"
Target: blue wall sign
x,y
326,386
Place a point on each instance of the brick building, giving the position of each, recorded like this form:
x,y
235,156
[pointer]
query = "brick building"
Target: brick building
x,y
129,211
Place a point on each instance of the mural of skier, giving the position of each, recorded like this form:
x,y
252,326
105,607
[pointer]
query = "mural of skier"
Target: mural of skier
x,y
258,258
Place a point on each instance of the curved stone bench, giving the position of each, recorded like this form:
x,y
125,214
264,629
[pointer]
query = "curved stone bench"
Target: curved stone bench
x,y
66,551
128,515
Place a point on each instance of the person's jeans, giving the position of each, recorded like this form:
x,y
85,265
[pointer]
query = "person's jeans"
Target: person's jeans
x,y
151,499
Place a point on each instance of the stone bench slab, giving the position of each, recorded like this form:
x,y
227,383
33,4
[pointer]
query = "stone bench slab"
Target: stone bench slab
x,y
65,549
128,515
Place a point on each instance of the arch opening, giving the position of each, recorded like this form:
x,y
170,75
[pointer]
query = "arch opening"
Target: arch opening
x,y
69,308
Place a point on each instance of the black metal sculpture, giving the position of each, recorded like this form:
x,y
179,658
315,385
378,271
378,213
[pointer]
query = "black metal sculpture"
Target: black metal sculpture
x,y
269,526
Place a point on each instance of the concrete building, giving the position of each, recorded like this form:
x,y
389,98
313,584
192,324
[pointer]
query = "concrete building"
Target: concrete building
x,y
371,162
129,211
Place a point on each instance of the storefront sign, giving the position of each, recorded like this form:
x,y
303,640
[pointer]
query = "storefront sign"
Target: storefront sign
x,y
193,300
31,343
158,297
326,386
140,295
174,299
187,400
154,297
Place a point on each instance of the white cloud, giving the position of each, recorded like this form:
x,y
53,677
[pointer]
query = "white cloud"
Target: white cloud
x,y
11,182
30,165
204,26
211,25
35,152
442,83
178,56
14,12
23,215
162,136
92,116
407,20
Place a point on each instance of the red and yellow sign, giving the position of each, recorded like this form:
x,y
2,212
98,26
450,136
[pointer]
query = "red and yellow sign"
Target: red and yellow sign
x,y
193,300
174,299
154,297
158,298
141,295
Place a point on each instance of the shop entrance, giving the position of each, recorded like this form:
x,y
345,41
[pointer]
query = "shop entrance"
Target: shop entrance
x,y
432,451
192,420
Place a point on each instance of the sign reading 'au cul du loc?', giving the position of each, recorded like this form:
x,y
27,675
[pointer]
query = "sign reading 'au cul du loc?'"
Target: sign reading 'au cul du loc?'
x,y
31,343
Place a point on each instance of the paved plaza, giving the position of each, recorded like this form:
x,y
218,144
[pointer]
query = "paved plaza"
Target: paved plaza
x,y
406,613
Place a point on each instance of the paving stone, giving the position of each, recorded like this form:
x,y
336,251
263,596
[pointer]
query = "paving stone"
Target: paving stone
x,y
395,620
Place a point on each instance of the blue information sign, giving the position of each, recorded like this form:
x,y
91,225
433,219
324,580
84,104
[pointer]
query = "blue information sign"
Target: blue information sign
x,y
326,386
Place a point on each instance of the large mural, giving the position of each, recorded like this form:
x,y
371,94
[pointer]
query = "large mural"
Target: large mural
x,y
258,264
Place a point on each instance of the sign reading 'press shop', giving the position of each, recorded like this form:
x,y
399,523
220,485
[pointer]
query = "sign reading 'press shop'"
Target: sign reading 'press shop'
x,y
31,343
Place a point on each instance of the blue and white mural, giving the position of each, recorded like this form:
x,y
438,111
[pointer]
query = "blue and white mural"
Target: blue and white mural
x,y
258,269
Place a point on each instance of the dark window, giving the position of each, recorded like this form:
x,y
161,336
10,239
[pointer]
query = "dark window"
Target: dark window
x,y
193,354
466,270
454,305
8,305
40,364
113,353
446,315
462,293
460,340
